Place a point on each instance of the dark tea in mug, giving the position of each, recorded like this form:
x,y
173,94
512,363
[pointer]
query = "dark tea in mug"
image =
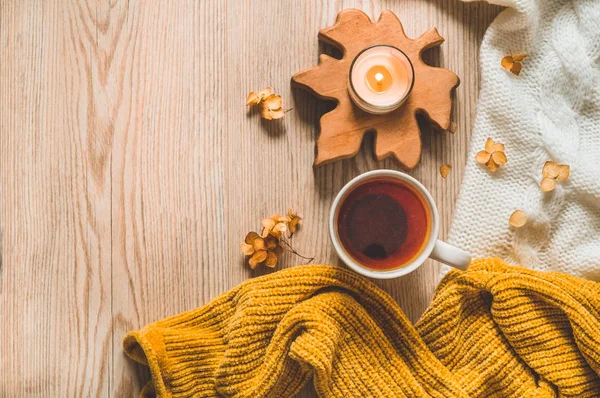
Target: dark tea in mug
x,y
383,223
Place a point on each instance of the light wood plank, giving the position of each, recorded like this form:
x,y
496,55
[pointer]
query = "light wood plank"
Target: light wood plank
x,y
130,168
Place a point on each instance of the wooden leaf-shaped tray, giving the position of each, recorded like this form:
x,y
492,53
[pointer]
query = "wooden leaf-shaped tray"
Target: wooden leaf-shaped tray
x,y
397,133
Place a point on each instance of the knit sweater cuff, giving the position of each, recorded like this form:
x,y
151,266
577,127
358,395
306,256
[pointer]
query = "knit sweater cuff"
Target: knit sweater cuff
x,y
179,361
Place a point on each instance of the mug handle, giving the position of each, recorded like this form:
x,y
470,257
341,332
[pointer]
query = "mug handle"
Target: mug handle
x,y
450,255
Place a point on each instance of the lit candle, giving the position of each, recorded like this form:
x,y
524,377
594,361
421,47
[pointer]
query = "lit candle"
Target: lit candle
x,y
381,78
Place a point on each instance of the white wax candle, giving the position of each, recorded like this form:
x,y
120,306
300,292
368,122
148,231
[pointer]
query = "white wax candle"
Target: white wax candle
x,y
381,78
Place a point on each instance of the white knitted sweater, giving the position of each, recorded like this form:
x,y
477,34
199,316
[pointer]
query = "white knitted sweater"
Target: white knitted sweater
x,y
550,112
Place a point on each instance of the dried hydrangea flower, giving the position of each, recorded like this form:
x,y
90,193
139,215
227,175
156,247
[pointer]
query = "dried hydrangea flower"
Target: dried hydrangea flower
x,y
272,107
553,172
255,247
492,156
445,170
268,247
513,63
256,98
518,219
270,104
295,220
276,226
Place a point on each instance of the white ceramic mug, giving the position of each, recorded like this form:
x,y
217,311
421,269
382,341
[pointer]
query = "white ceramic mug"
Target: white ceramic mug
x,y
432,248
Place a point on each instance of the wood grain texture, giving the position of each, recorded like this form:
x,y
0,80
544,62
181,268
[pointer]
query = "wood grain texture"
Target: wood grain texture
x,y
396,134
130,168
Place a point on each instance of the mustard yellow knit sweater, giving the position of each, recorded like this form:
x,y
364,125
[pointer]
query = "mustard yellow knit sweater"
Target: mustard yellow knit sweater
x,y
492,331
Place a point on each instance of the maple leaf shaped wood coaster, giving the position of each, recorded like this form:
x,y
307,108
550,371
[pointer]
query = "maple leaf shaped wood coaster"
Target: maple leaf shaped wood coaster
x,y
397,133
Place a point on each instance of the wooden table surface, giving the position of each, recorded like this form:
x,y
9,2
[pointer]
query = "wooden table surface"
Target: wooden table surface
x,y
131,169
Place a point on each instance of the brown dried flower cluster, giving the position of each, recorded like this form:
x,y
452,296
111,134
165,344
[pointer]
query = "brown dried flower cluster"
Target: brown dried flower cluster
x,y
513,63
270,104
268,247
552,173
492,156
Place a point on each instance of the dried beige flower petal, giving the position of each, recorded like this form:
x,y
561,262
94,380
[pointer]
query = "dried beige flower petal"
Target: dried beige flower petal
x,y
482,157
553,172
252,243
265,93
491,146
259,244
452,128
273,102
271,260
548,184
270,114
271,242
294,220
445,170
513,63
492,156
257,258
271,107
499,158
251,237
247,249
276,226
518,219
252,99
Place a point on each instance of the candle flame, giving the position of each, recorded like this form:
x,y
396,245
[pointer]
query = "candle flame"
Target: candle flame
x,y
379,77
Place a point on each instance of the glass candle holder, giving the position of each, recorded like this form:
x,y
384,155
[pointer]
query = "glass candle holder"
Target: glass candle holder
x,y
381,79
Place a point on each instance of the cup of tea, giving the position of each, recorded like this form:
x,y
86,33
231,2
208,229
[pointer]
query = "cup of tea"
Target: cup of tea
x,y
384,224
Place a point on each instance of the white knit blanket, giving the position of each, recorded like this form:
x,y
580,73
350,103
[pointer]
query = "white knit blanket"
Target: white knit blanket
x,y
550,112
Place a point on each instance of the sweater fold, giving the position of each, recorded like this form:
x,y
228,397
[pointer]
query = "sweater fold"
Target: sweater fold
x,y
493,330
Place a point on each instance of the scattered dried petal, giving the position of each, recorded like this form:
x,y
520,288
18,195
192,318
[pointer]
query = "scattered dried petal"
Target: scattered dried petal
x,y
550,169
516,68
250,237
268,224
252,99
445,169
273,102
265,93
492,156
276,114
513,63
294,220
518,218
259,244
278,230
259,256
489,144
553,172
482,157
548,184
507,62
452,128
271,260
271,242
247,249
499,158
278,250
564,172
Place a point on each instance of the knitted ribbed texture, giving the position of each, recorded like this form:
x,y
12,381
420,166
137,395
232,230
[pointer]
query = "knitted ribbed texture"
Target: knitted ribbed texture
x,y
492,331
551,111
